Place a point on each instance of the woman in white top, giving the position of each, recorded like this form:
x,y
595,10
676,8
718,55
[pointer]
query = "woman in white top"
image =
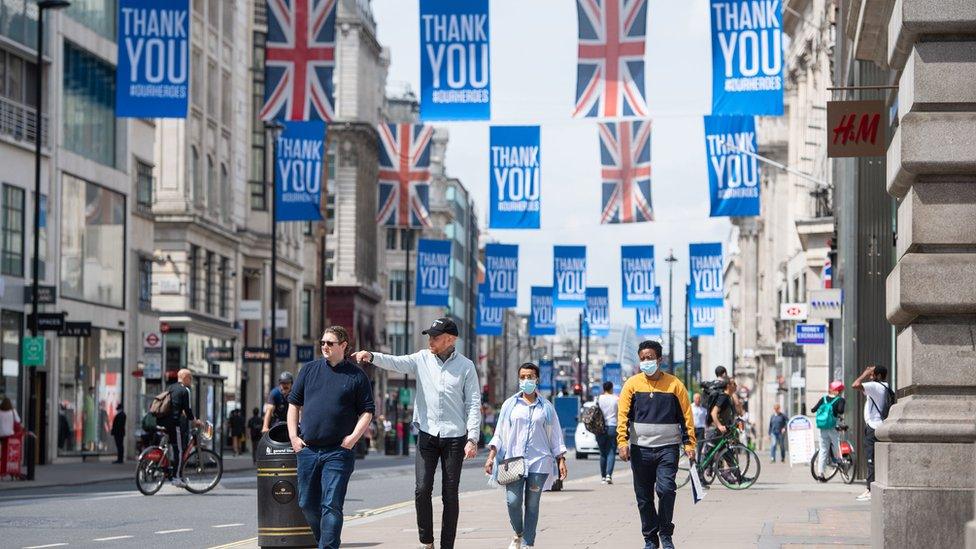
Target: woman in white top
x,y
608,440
8,417
529,428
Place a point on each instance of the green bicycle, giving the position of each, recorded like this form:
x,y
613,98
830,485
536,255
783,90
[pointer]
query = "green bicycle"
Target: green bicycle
x,y
734,464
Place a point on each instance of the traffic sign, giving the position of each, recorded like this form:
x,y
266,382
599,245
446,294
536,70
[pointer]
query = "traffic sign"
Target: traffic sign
x,y
33,351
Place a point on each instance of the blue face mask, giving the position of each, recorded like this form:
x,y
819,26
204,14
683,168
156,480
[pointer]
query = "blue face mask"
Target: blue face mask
x,y
527,385
649,367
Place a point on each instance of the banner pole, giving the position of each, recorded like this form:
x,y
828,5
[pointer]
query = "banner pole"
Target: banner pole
x,y
776,164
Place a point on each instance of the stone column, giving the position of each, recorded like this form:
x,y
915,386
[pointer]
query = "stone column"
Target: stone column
x,y
924,490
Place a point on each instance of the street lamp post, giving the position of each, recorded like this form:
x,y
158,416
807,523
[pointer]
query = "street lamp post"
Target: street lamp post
x,y
42,6
671,260
275,128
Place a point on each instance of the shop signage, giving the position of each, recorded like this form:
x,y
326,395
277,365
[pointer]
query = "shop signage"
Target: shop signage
x,y
792,350
811,334
793,311
801,442
304,353
33,351
826,303
282,348
219,354
249,309
47,322
76,329
168,285
152,369
152,342
856,128
256,354
46,295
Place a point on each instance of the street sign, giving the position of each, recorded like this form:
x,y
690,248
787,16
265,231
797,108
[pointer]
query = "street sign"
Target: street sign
x,y
219,354
168,285
545,375
797,381
856,128
75,329
282,347
46,295
793,311
304,353
249,309
281,318
792,350
811,334
33,351
256,354
406,396
47,322
152,342
826,304
800,436
152,369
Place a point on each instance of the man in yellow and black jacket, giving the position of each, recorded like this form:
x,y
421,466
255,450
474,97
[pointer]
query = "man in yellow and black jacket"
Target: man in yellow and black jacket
x,y
654,422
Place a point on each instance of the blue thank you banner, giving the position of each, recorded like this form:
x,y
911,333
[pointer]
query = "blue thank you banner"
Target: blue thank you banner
x,y
706,264
455,68
747,57
515,173
433,273
733,175
650,320
637,275
598,312
542,316
545,375
489,318
298,169
569,276
702,321
153,73
613,373
501,274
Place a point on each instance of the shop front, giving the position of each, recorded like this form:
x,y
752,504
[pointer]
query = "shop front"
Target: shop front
x,y
90,387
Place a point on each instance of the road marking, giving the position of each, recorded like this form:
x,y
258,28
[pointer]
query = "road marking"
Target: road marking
x,y
235,543
43,546
228,525
174,531
113,538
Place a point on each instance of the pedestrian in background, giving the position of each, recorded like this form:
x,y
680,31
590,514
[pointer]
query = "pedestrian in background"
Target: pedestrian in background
x,y
118,433
777,434
607,441
700,414
276,409
878,399
527,428
334,399
447,413
236,422
653,423
9,423
254,427
828,409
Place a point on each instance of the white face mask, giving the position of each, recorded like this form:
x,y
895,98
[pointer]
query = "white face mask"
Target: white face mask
x,y
649,367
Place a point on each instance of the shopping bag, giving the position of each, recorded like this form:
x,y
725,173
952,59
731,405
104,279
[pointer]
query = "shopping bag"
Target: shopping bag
x,y
697,490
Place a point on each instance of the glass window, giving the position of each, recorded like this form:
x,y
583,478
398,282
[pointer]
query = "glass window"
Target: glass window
x,y
18,22
224,287
144,184
227,101
212,90
226,193
12,254
89,105
89,389
397,338
193,265
391,239
396,287
145,283
259,196
208,283
228,25
92,242
196,83
213,190
98,15
11,332
306,313
330,192
42,245
196,175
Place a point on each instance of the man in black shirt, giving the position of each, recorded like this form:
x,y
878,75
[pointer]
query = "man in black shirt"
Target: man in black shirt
x,y
335,401
178,423
254,427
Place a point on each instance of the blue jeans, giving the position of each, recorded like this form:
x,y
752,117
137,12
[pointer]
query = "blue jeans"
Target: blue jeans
x,y
778,442
608,451
654,472
525,494
323,474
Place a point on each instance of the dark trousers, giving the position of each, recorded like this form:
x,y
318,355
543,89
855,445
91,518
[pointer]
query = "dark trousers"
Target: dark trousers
x,y
449,452
179,438
654,472
608,450
323,475
254,449
869,441
119,447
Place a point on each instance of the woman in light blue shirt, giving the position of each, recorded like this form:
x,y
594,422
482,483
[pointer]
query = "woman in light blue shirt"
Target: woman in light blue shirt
x,y
527,427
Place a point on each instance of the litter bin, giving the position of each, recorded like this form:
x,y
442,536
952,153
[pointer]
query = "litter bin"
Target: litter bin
x,y
280,520
390,443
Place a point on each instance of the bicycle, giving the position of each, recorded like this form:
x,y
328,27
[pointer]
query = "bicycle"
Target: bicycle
x,y
736,465
202,467
847,466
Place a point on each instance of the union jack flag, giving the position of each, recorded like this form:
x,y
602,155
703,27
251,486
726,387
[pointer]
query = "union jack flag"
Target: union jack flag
x,y
299,60
625,153
404,175
610,70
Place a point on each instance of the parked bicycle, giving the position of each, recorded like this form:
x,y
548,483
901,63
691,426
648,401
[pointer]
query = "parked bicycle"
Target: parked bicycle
x,y
736,465
847,467
202,467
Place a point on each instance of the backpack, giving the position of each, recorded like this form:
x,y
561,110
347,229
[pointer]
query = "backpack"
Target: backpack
x,y
593,420
162,405
825,414
890,399
711,390
148,422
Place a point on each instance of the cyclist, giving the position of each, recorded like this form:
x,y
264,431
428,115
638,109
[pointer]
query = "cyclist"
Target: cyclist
x,y
828,410
720,418
177,424
276,410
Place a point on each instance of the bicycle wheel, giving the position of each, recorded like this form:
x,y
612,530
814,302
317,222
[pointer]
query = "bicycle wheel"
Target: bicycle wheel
x,y
849,470
738,467
202,469
830,468
684,471
149,477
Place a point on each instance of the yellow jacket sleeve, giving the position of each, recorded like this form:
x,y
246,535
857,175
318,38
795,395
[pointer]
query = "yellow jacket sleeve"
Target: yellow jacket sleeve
x,y
623,410
682,394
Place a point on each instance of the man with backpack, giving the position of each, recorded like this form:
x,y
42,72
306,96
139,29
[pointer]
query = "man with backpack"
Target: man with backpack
x,y
173,412
828,409
878,401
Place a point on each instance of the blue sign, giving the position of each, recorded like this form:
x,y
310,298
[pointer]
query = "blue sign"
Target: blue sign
x,y
455,69
733,175
542,316
702,321
568,410
569,276
811,334
613,373
153,73
298,171
650,320
747,57
705,261
304,353
282,348
501,274
545,375
489,318
598,312
515,177
637,275
433,273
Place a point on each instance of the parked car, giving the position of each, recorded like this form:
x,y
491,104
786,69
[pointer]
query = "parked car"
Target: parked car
x,y
585,441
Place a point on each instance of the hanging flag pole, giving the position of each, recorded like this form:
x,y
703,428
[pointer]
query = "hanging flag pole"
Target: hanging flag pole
x,y
275,128
775,164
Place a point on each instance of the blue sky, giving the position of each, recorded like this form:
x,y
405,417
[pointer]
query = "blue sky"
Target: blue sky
x,y
533,81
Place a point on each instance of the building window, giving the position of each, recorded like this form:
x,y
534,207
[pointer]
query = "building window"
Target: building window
x,y
391,239
212,90
329,265
97,15
208,283
396,289
92,242
144,185
226,193
196,175
18,77
397,338
196,83
11,332
42,244
145,283
330,192
307,228
224,287
259,196
306,313
213,13
18,22
227,101
12,255
89,390
193,265
89,105
212,190
228,26
406,239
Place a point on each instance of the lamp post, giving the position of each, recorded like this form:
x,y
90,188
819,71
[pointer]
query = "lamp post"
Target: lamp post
x,y
671,260
42,6
275,127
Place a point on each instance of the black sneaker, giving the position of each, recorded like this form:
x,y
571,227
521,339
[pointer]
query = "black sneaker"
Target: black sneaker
x,y
666,542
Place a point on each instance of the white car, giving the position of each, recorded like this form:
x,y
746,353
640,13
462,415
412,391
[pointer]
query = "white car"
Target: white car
x,y
585,441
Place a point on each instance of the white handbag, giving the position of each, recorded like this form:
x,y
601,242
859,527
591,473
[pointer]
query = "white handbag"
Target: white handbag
x,y
511,470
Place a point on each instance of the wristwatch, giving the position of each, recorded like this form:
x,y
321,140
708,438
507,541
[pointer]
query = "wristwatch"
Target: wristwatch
x,y
473,441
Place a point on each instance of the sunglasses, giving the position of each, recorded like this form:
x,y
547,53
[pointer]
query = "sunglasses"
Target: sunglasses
x,y
324,343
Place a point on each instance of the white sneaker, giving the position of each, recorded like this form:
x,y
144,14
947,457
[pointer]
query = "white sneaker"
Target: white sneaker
x,y
603,480
426,546
609,480
178,482
516,543
866,496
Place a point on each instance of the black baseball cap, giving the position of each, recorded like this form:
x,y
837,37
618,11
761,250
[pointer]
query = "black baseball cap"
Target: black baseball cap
x,y
440,326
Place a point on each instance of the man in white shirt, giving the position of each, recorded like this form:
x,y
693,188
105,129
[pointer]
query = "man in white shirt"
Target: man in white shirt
x,y
447,413
608,440
700,413
872,382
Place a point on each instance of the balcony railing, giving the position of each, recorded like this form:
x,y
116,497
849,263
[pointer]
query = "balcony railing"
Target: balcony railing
x,y
20,122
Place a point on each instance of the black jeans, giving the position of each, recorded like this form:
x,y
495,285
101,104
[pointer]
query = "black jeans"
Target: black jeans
x,y
119,446
869,441
654,472
449,452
